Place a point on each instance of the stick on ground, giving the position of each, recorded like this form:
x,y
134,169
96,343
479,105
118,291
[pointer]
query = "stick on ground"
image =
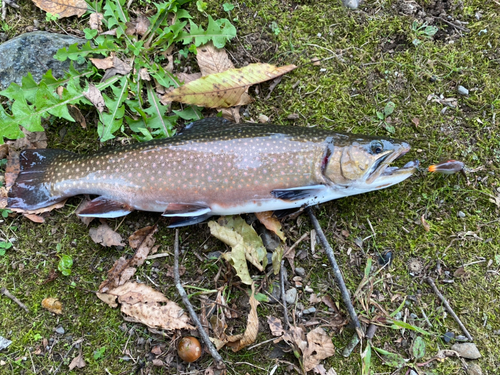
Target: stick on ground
x,y
6,293
431,282
282,287
206,340
336,273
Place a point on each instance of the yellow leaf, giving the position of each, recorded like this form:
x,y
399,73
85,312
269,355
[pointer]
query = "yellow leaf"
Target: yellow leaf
x,y
225,89
271,223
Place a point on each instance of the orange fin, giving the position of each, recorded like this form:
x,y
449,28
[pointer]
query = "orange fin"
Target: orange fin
x,y
105,208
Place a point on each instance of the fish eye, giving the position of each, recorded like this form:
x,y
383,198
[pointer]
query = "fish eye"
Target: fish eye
x,y
377,147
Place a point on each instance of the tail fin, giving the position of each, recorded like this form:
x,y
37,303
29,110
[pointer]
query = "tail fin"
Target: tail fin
x,y
31,191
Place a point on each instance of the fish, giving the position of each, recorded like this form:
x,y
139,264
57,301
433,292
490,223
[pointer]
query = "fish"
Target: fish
x,y
447,167
213,167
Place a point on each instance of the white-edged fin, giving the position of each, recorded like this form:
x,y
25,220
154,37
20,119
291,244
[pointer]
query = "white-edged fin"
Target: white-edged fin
x,y
101,207
179,221
297,193
185,210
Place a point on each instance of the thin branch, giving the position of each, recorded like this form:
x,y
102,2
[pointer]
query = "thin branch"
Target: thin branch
x,y
431,282
6,293
206,340
283,296
336,272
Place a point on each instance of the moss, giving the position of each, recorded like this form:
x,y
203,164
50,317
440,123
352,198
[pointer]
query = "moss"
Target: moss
x,y
370,59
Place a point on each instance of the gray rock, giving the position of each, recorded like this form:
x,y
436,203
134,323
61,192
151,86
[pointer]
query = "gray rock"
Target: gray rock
x,y
275,292
467,350
474,369
353,4
461,214
214,255
462,90
33,52
291,295
4,343
270,240
300,271
60,330
310,310
448,336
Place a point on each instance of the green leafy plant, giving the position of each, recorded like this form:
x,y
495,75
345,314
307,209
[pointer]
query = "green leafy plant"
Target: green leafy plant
x,y
421,32
99,353
65,264
4,246
130,99
384,114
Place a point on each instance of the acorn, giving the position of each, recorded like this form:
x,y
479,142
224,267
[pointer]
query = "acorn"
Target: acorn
x,y
189,349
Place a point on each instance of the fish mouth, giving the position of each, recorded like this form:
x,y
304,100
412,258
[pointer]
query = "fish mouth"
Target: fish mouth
x,y
383,172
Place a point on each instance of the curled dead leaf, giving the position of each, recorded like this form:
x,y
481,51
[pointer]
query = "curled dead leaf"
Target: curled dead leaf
x,y
63,8
78,361
95,21
53,305
77,115
94,95
271,223
425,224
106,236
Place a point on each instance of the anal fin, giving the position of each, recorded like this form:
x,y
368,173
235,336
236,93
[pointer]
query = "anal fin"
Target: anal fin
x,y
178,221
105,208
185,210
297,193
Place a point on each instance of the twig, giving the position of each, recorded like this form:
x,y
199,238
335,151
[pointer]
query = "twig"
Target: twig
x,y
336,272
6,293
261,343
283,297
206,340
454,25
430,281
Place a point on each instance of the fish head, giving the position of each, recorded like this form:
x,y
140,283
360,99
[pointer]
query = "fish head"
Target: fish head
x,y
364,164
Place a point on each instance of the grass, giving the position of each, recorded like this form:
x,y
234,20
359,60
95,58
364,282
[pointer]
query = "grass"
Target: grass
x,y
374,61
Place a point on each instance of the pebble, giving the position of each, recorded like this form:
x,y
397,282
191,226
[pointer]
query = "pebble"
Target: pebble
x,y
310,310
214,255
474,369
463,91
448,336
270,240
275,292
461,214
352,4
60,330
308,289
291,295
300,271
4,343
467,350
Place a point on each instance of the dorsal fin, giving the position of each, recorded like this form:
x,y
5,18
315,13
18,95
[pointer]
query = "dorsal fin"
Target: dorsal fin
x,y
212,124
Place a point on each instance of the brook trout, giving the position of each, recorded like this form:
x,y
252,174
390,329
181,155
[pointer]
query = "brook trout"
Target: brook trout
x,y
214,167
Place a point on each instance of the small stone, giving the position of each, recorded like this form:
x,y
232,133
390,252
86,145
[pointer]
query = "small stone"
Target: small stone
x,y
448,336
352,4
474,369
461,338
300,271
4,343
60,330
463,91
214,255
308,289
275,292
310,310
461,214
291,295
467,350
140,341
263,118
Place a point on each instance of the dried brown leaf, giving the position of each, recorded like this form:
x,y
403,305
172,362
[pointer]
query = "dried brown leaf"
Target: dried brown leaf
x,y
138,237
119,67
271,223
78,361
232,114
106,63
38,211
239,342
106,236
30,140
144,75
425,224
83,205
319,347
212,60
225,89
77,115
4,151
53,305
94,95
95,21
187,77
142,25
275,326
63,8
34,218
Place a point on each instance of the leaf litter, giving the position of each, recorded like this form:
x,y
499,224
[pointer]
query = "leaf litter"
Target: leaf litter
x,y
139,302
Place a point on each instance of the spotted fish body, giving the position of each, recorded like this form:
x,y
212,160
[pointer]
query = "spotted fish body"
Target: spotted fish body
x,y
213,168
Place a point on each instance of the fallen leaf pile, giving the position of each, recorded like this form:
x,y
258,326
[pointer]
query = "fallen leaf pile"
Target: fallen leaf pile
x,y
63,8
139,302
313,347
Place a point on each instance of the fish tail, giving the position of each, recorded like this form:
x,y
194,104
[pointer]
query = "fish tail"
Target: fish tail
x,y
31,190
432,168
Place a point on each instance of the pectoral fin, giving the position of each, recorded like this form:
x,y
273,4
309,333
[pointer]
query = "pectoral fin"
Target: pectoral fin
x,y
297,193
105,208
186,210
